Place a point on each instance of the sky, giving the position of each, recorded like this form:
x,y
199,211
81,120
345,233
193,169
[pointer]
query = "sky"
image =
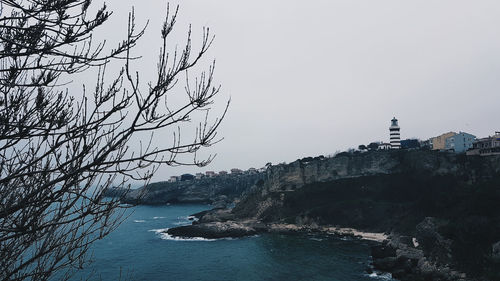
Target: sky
x,y
309,78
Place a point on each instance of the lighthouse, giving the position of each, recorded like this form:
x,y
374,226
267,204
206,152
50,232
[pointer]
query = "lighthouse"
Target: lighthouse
x,y
395,137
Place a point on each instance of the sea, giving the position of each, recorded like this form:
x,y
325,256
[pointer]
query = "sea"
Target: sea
x,y
139,250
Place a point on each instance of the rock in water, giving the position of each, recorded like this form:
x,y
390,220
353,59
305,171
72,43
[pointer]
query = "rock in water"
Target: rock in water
x,y
213,230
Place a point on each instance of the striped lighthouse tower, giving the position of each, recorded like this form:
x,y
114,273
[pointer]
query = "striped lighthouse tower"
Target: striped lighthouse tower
x,y
395,137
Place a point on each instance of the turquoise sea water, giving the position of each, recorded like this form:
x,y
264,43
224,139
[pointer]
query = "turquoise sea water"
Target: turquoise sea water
x,y
138,251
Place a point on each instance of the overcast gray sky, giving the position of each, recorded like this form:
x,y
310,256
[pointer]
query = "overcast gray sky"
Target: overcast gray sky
x,y
314,77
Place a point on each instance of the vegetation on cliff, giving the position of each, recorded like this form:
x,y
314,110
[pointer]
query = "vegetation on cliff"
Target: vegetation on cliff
x,y
460,203
219,190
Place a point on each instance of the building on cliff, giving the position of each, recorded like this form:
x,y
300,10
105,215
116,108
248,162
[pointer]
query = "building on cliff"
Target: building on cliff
x,y
439,142
187,177
410,144
425,144
252,171
236,171
394,134
384,146
460,142
486,146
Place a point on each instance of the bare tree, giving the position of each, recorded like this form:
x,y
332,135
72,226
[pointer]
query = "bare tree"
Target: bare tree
x,y
59,150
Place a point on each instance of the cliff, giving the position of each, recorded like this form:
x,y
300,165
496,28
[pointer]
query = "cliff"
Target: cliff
x,y
219,190
412,170
441,210
287,177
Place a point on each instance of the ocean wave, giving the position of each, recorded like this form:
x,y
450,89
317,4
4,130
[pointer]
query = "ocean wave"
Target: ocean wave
x,y
315,239
139,221
346,238
159,230
162,233
181,223
166,236
157,218
381,275
185,220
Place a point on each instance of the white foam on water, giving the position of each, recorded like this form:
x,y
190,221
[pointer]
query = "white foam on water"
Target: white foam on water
x,y
166,236
157,218
139,221
315,239
346,238
180,223
159,230
185,220
162,232
381,275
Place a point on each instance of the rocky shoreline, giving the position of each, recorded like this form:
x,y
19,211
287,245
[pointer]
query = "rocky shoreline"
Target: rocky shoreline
x,y
221,223
402,256
237,229
433,216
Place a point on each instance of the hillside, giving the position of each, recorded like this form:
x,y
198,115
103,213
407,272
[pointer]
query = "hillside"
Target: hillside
x,y
219,190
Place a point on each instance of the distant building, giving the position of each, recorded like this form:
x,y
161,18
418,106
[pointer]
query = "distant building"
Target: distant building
x,y
223,173
410,144
384,146
439,142
262,170
187,177
210,174
173,179
486,146
460,142
199,176
425,144
252,171
394,134
235,171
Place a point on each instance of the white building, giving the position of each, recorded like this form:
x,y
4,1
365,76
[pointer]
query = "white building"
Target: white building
x,y
384,146
395,137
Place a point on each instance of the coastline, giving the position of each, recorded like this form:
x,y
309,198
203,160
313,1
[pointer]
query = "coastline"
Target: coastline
x,y
249,227
332,230
395,254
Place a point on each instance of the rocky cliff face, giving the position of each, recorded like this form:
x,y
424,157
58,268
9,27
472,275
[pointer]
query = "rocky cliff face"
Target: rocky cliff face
x,y
441,209
218,190
281,180
288,177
